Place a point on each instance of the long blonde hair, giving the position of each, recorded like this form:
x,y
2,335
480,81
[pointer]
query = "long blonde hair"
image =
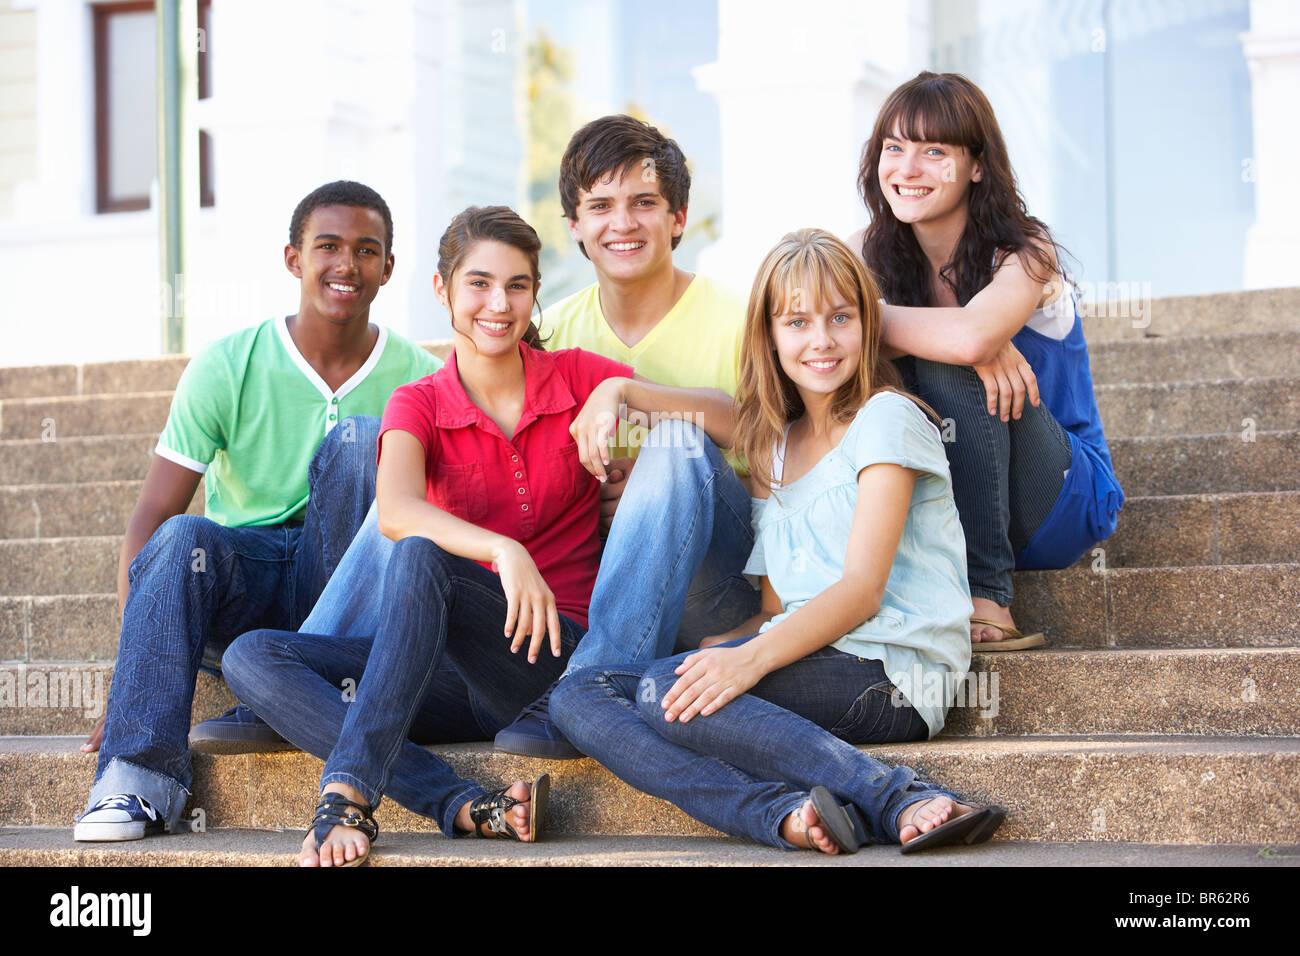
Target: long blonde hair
x,y
810,264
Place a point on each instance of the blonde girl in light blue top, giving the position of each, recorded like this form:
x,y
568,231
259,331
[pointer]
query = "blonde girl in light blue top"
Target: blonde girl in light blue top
x,y
863,632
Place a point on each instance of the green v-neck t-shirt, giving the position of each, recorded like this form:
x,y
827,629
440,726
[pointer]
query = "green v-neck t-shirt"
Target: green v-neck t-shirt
x,y
249,412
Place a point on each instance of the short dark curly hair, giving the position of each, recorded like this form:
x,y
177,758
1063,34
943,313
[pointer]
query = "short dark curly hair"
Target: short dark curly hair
x,y
342,192
616,144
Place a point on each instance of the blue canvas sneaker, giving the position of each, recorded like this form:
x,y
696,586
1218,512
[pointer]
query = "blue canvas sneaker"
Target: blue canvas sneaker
x,y
123,816
237,731
533,735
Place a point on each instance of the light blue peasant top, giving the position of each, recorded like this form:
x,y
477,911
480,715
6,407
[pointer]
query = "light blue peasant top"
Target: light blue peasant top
x,y
921,634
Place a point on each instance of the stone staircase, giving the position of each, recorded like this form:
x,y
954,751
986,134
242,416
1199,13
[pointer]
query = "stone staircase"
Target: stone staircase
x,y
1160,724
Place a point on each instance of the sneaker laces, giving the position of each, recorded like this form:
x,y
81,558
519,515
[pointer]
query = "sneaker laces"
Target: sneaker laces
x,y
541,707
122,801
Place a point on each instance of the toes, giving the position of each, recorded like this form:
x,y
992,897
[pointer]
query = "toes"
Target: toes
x,y
307,856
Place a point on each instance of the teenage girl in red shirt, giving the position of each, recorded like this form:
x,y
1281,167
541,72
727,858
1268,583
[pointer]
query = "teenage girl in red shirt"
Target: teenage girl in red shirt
x,y
493,508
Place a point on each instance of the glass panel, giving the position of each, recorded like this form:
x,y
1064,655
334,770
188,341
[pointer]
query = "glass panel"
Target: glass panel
x,y
132,99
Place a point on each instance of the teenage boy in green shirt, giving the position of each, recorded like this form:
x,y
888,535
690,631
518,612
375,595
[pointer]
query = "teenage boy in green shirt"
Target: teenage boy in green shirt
x,y
267,415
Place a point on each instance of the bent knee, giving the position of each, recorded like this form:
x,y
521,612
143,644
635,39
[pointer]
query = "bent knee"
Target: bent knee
x,y
179,541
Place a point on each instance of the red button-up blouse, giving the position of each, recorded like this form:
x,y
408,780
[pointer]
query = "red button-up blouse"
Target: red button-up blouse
x,y
530,487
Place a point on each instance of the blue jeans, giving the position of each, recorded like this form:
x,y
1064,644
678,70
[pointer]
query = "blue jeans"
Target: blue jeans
x,y
194,587
1006,476
437,670
670,573
744,768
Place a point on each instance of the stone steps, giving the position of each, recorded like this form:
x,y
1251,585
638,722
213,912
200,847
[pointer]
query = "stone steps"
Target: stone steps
x,y
1165,409
1201,464
1234,408
1182,465
85,509
1210,691
1240,355
1259,310
45,586
1161,720
1195,358
1185,790
75,460
105,378
1228,353
1168,531
54,846
74,416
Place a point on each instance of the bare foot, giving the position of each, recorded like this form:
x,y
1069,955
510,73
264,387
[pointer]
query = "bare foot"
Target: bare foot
x,y
516,816
342,845
924,815
803,828
990,611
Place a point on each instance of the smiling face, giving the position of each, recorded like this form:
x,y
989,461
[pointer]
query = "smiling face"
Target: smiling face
x,y
625,226
818,339
925,182
341,262
490,296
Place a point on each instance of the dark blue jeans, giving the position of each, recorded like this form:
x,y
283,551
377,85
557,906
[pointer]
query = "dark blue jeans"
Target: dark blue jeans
x,y
744,768
195,587
438,670
1006,476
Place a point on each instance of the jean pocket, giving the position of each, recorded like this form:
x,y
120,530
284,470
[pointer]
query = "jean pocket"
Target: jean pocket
x,y
879,715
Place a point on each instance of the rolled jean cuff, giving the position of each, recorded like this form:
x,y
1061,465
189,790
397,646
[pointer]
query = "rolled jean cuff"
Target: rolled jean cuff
x,y
164,793
781,811
905,800
1000,598
454,802
368,793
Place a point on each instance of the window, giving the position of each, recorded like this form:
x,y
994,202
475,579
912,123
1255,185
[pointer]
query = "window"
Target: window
x,y
126,105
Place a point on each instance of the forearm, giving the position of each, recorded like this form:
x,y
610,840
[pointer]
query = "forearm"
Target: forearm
x,y
952,336
404,516
747,628
821,622
136,538
139,529
710,408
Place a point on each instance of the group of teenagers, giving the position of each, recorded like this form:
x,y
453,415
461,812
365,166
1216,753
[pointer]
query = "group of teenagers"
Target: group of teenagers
x,y
823,520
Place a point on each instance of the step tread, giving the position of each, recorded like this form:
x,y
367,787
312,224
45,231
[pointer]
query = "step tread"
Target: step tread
x,y
54,846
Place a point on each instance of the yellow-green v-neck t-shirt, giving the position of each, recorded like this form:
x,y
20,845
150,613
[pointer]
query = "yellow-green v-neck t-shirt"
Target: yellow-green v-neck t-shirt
x,y
249,412
695,345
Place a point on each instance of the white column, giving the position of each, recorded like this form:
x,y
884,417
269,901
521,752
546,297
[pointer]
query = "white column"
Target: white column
x,y
798,88
1272,49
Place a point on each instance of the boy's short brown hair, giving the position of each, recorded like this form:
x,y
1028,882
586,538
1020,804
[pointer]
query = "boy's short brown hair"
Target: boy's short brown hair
x,y
617,145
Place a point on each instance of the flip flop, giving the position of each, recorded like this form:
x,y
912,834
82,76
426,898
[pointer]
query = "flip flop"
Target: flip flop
x,y
834,820
970,828
1013,641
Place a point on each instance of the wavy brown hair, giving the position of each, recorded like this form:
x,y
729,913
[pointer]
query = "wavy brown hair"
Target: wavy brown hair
x,y
499,224
807,262
948,108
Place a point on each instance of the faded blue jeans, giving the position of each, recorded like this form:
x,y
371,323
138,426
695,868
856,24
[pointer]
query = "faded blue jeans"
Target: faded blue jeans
x,y
743,769
670,572
437,670
195,587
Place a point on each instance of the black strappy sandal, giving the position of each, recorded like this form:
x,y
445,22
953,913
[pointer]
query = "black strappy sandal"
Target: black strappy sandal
x,y
336,810
492,808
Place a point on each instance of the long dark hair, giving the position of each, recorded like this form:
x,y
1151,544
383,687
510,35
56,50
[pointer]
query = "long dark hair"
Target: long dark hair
x,y
500,224
948,108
